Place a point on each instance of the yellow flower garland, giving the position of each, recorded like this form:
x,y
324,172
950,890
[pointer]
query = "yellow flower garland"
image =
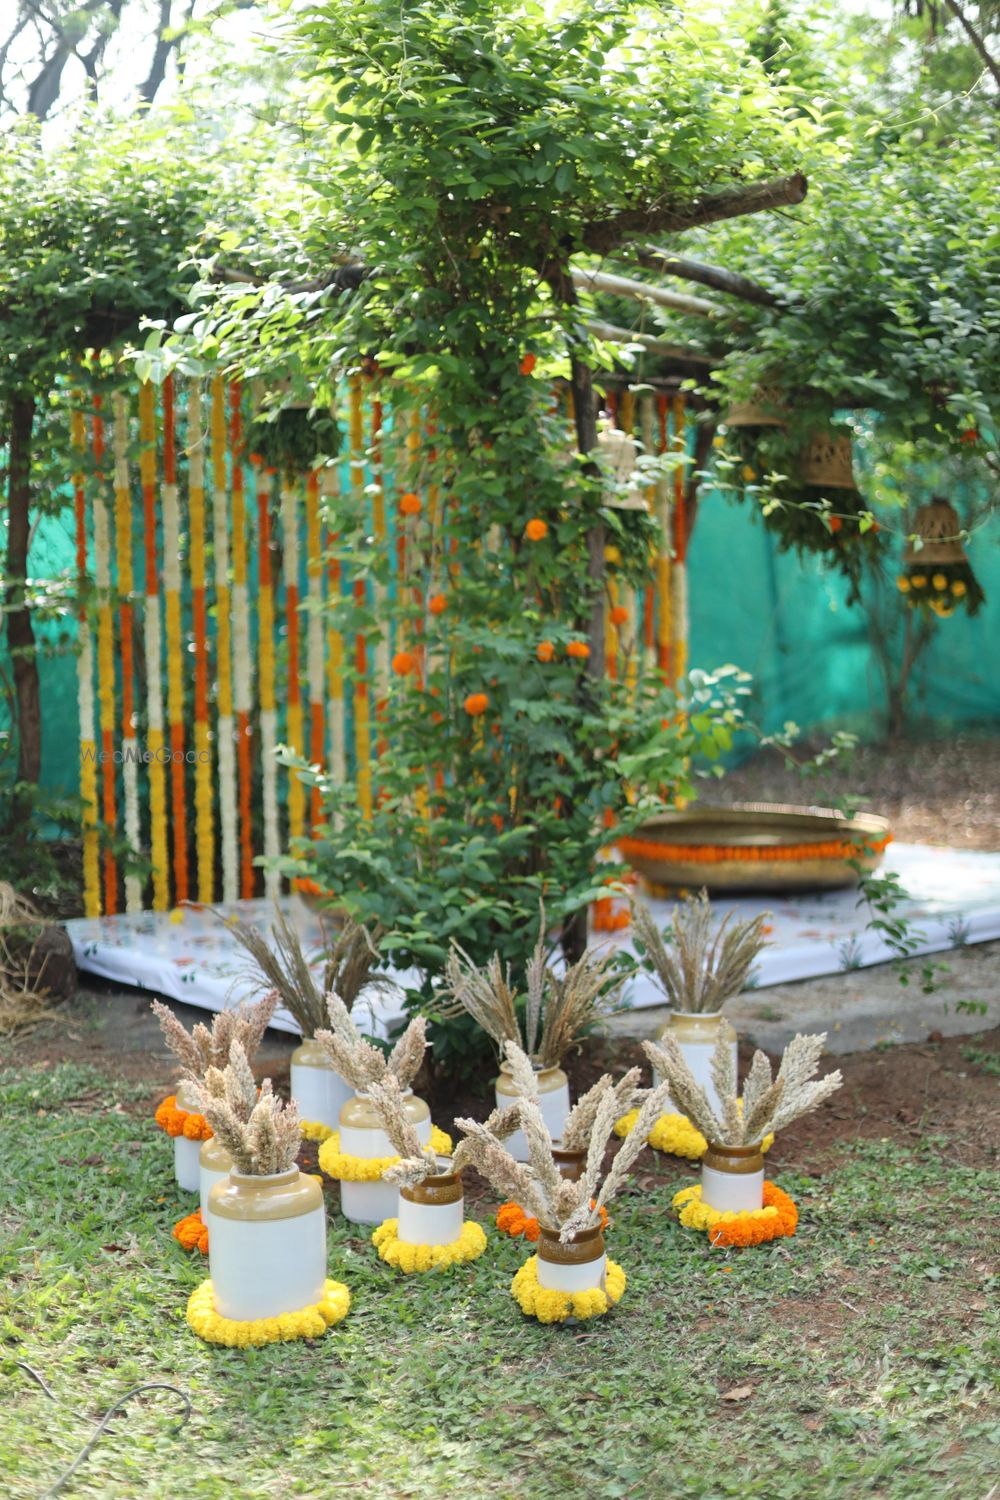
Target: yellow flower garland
x,y
675,1135
777,1218
408,1258
307,1323
369,1168
550,1306
315,1130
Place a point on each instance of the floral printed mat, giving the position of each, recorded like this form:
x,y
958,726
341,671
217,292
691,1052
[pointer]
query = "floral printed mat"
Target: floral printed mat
x,y
953,897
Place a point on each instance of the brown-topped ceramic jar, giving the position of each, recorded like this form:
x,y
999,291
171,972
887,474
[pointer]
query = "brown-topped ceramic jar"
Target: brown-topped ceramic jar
x,y
732,1177
576,1265
432,1212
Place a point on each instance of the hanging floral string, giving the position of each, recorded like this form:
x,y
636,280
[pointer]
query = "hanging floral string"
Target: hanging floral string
x,y
314,636
241,642
175,643
664,605
679,613
330,488
380,532
362,718
224,648
126,587
265,675
85,676
204,821
105,652
294,728
152,642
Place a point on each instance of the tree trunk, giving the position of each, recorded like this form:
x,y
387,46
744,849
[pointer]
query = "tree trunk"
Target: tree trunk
x,y
20,632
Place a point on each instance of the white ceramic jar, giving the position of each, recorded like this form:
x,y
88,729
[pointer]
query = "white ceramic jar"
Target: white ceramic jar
x,y
266,1244
362,1134
317,1087
553,1100
433,1211
579,1265
732,1178
696,1036
214,1163
186,1151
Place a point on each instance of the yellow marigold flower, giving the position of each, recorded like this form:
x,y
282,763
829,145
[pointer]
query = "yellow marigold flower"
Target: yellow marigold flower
x,y
903,584
307,1323
958,588
918,580
749,474
939,581
549,1306
409,1258
345,1168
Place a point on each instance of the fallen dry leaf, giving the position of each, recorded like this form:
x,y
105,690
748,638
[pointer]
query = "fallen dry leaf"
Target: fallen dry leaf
x,y
738,1393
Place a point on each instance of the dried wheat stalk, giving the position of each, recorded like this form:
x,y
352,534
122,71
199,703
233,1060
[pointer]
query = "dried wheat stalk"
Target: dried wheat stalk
x,y
415,1164
362,1065
260,1133
203,1048
767,1106
481,1149
581,1118
281,964
699,973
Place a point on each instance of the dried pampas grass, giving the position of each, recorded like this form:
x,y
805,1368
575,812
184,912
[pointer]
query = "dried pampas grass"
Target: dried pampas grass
x,y
209,1047
769,1103
698,972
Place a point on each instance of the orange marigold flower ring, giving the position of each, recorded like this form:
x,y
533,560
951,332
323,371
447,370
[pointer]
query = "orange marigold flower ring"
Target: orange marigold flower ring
x,y
710,854
545,651
410,504
183,1122
476,703
536,529
777,1218
437,604
403,662
191,1232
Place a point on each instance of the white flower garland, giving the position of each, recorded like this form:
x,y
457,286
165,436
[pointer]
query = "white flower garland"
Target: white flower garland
x,y
225,745
123,530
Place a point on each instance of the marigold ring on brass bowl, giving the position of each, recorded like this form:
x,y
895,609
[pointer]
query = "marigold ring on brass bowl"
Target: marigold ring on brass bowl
x,y
755,846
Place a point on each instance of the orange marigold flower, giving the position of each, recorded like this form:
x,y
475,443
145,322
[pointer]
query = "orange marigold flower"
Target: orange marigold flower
x,y
527,364
497,821
411,504
545,651
536,529
619,615
437,604
835,523
191,1233
476,703
578,649
403,662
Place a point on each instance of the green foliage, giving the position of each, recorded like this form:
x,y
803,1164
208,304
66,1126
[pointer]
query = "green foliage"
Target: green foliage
x,y
293,438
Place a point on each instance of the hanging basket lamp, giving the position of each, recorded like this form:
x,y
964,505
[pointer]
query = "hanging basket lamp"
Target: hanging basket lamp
x,y
825,462
936,575
765,408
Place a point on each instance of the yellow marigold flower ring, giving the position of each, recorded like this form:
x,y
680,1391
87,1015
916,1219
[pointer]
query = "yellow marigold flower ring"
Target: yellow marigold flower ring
x,y
550,1306
315,1130
369,1168
409,1258
308,1323
675,1135
777,1218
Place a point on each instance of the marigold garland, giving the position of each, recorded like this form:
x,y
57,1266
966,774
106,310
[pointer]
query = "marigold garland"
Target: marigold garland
x,y
308,1323
313,1130
175,1121
511,1219
344,1168
710,854
85,680
191,1232
550,1306
224,739
409,1258
776,1219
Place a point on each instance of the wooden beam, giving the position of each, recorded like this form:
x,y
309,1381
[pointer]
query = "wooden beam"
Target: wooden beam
x,y
615,335
715,277
605,235
621,286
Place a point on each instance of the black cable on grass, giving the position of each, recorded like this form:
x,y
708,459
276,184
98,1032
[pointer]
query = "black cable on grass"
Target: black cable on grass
x,y
99,1430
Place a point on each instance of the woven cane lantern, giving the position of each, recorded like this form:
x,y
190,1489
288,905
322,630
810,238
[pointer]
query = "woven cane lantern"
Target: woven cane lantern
x,y
937,576
765,408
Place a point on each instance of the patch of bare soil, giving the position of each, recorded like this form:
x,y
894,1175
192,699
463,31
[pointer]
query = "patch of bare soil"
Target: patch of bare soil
x,y
942,791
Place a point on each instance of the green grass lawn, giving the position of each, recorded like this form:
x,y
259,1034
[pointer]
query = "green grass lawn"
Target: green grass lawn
x,y
858,1359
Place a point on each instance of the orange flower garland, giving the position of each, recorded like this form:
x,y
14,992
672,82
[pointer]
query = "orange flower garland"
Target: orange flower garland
x,y
740,1231
536,529
711,854
511,1219
182,1121
191,1232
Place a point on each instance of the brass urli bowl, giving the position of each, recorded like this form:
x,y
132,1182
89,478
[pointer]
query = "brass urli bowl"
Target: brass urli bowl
x,y
755,846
